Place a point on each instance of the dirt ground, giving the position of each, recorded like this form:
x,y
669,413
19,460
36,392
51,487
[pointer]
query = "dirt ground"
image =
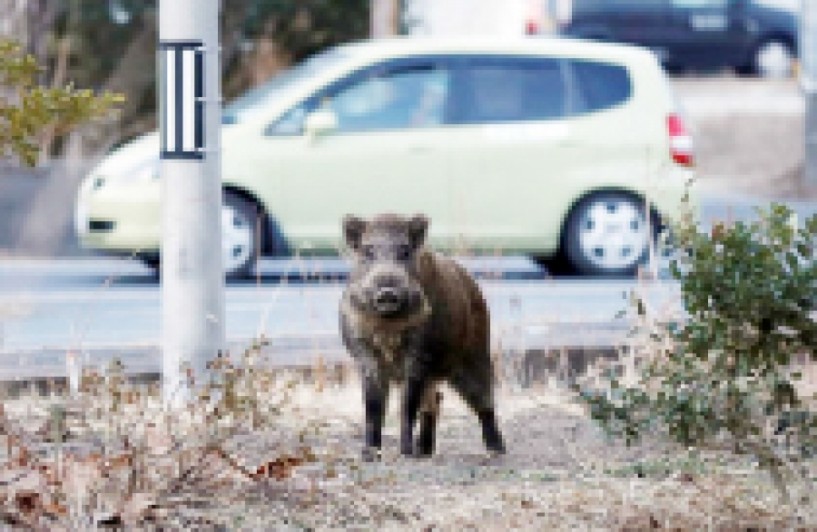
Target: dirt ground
x,y
303,471
560,473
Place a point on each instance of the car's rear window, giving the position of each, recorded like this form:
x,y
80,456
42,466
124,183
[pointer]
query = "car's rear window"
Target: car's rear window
x,y
599,85
510,90
515,89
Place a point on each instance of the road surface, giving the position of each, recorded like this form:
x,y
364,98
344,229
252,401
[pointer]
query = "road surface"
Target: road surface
x,y
100,308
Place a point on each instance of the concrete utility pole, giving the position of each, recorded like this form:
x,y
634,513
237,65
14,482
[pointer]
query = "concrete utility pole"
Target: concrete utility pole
x,y
190,121
808,80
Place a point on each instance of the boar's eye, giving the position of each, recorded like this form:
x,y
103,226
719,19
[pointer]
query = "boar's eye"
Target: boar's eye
x,y
403,252
368,252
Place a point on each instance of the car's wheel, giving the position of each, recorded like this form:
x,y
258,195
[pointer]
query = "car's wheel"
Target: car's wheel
x,y
151,260
607,234
773,58
239,238
239,235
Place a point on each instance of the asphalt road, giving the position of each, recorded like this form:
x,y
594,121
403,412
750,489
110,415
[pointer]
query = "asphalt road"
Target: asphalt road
x,y
100,308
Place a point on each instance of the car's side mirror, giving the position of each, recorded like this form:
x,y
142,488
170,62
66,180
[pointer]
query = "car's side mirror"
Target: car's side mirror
x,y
320,122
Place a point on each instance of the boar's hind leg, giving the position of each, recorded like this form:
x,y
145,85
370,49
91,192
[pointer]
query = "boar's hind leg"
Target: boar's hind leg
x,y
375,395
429,414
475,385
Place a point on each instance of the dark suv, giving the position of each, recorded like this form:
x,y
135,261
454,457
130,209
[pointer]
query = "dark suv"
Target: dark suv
x,y
746,35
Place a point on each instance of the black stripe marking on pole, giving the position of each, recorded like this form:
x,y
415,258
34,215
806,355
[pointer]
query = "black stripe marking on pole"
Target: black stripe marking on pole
x,y
199,91
181,98
178,85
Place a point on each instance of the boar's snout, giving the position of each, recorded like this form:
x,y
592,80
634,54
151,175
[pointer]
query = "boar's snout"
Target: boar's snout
x,y
390,291
388,300
387,292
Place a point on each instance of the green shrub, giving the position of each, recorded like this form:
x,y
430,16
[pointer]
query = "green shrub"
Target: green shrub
x,y
725,374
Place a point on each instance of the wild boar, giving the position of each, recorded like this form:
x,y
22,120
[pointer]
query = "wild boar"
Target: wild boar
x,y
411,316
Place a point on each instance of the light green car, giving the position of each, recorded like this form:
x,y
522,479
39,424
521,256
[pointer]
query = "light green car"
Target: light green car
x,y
526,146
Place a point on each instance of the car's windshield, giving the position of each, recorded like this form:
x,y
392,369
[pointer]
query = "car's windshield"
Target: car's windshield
x,y
259,96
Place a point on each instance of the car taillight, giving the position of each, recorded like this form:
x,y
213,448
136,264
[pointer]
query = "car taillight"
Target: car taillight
x,y
680,141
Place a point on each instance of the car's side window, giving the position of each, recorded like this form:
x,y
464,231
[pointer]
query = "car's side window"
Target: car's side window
x,y
399,98
291,123
510,90
597,86
388,97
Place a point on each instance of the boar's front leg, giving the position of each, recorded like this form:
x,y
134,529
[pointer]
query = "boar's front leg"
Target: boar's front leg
x,y
417,383
375,396
412,396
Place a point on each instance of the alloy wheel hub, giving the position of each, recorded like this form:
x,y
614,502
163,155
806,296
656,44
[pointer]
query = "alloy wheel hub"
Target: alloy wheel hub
x,y
236,238
613,234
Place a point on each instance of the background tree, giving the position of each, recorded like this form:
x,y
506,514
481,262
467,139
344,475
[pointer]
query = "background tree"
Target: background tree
x,y
29,111
110,45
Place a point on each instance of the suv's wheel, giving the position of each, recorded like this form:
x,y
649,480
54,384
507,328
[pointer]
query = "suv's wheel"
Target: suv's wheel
x,y
607,234
773,59
239,235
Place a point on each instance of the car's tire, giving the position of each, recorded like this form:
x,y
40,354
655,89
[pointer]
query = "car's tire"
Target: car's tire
x,y
152,261
555,264
607,234
239,235
773,58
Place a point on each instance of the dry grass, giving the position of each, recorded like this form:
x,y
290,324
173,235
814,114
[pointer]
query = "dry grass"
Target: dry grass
x,y
278,449
272,449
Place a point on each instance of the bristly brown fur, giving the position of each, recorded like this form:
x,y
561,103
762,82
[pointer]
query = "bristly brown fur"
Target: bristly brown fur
x,y
445,337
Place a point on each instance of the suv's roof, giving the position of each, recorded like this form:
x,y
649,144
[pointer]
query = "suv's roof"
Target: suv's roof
x,y
398,46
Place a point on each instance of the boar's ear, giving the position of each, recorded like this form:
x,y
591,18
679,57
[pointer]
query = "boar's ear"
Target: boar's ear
x,y
417,229
352,230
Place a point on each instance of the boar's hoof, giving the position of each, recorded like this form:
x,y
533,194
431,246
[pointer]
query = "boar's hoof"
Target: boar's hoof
x,y
407,450
370,454
422,451
496,448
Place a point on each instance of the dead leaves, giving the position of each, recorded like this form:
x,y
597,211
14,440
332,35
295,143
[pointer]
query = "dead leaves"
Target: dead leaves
x,y
127,481
33,490
280,468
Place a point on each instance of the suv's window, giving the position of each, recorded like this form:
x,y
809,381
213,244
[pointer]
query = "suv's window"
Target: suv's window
x,y
510,90
599,85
